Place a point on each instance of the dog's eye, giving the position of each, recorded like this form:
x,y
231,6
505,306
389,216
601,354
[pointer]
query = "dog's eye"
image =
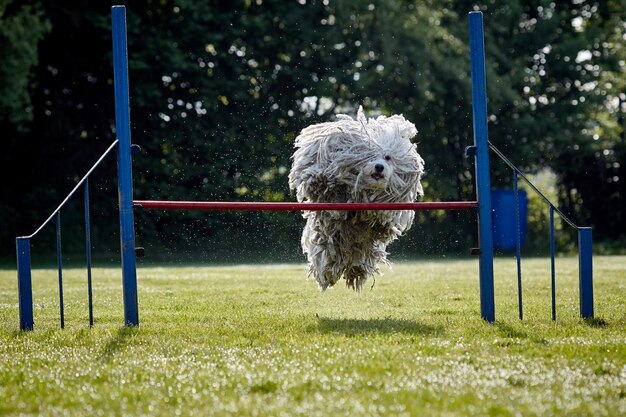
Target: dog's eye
x,y
387,158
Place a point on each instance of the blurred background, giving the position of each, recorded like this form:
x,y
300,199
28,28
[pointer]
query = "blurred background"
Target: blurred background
x,y
219,90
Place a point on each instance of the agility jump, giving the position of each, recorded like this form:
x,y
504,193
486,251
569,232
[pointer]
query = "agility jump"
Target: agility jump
x,y
479,150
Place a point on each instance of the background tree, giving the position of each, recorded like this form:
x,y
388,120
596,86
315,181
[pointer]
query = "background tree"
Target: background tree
x,y
219,90
22,27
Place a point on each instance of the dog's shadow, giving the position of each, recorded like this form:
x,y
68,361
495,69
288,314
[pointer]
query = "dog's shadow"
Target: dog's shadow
x,y
354,327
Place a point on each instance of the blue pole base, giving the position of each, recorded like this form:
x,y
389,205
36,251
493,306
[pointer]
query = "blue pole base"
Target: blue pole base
x,y
585,271
24,283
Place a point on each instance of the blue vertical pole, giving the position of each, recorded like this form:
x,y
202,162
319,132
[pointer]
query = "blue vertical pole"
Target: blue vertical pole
x,y
88,252
518,247
483,179
24,283
60,267
124,166
552,267
585,271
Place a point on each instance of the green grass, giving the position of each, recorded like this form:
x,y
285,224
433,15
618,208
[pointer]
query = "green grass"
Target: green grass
x,y
262,340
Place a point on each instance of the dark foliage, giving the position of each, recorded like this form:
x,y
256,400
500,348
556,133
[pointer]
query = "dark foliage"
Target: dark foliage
x,y
219,90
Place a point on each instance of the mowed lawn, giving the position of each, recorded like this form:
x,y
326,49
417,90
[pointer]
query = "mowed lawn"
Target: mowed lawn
x,y
262,340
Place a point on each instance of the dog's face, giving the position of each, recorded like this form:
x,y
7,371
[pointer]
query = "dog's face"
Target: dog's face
x,y
385,163
376,173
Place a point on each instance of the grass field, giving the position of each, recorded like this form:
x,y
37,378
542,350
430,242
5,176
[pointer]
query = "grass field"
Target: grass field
x,y
262,340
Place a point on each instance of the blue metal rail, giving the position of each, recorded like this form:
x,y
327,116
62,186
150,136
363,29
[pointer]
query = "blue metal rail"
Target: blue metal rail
x,y
24,274
585,266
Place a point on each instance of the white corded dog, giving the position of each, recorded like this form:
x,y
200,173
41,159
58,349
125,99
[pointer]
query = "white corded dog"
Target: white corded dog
x,y
354,161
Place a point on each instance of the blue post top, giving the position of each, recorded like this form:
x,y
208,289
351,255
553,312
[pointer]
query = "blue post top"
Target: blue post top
x,y
479,84
120,74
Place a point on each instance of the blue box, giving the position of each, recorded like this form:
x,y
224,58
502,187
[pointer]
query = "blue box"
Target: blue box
x,y
503,217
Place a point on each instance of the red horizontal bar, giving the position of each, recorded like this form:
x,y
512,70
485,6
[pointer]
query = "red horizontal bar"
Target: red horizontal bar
x,y
274,206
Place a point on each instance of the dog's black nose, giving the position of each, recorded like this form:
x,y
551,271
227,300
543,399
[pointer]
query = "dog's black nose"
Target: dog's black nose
x,y
379,168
